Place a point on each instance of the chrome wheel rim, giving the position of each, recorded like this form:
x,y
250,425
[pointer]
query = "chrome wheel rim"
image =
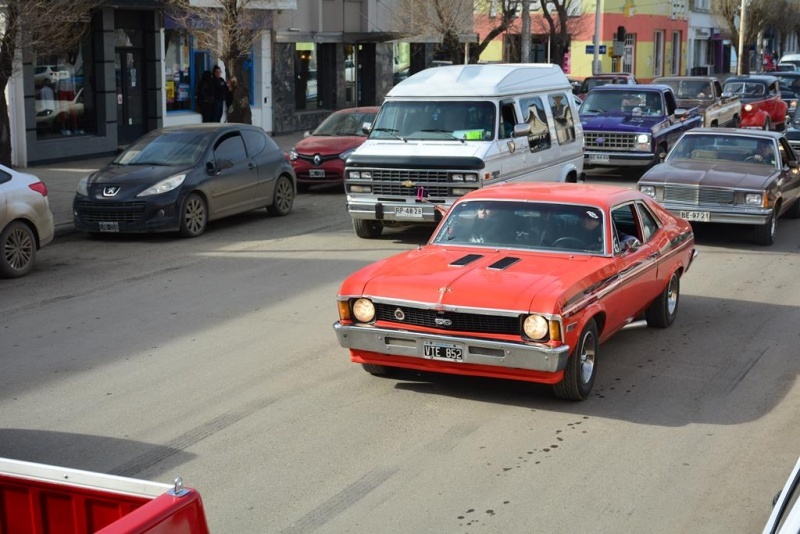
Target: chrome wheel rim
x,y
195,215
18,249
672,295
773,223
283,196
588,354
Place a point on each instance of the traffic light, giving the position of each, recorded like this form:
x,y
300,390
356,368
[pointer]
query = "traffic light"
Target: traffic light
x,y
621,33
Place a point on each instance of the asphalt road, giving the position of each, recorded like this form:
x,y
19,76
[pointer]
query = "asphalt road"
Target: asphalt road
x,y
214,359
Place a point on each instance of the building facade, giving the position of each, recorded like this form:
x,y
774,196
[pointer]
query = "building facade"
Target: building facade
x,y
138,71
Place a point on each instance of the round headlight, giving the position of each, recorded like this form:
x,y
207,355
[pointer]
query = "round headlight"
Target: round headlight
x,y
363,310
748,107
535,327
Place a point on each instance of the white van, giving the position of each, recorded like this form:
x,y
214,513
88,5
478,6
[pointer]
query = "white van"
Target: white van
x,y
793,58
446,131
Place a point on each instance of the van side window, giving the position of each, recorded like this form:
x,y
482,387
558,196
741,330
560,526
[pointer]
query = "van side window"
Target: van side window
x,y
562,118
507,120
539,138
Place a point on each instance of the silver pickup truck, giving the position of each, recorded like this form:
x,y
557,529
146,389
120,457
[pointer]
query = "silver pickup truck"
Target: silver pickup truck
x,y
705,94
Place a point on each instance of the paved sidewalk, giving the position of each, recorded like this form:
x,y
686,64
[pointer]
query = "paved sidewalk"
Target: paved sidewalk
x,y
62,179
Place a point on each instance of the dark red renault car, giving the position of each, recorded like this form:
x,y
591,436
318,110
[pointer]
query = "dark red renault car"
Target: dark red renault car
x,y
319,158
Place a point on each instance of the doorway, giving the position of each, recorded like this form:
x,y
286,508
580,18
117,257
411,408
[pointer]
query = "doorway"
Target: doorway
x,y
130,95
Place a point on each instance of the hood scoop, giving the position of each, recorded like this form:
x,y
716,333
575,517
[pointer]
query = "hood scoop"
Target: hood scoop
x,y
466,260
505,263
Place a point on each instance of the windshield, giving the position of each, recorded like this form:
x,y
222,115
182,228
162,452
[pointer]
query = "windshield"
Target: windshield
x,y
622,101
591,83
439,120
790,83
725,148
524,225
746,89
345,123
696,89
172,148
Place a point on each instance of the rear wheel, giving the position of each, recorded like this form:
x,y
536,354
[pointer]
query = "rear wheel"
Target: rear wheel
x,y
17,250
661,313
581,366
282,198
765,233
194,216
367,229
736,122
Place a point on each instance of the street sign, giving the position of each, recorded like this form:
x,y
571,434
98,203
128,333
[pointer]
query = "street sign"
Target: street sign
x,y
590,49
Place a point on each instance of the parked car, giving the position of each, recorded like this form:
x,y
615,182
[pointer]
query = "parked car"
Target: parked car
x,y
762,106
725,175
786,67
26,222
631,126
180,178
520,281
789,84
59,115
785,516
705,93
598,80
319,158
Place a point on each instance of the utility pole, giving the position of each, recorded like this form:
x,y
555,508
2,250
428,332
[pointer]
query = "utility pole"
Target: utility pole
x,y
596,65
740,67
525,31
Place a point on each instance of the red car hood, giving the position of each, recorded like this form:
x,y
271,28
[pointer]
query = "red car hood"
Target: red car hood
x,y
325,145
535,282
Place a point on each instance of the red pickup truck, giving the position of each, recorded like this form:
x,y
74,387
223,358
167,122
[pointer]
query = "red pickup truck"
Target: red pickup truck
x,y
38,498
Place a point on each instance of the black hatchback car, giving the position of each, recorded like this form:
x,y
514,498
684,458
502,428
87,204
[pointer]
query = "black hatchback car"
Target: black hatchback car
x,y
180,178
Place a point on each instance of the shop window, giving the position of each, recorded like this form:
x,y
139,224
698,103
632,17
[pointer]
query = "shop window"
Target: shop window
x,y
65,103
179,81
402,61
305,71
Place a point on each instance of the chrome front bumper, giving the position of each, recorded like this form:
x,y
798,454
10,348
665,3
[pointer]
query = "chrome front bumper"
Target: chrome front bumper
x,y
723,215
409,344
619,159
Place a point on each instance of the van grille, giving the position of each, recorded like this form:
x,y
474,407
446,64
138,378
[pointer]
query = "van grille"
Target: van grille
x,y
401,175
609,140
403,191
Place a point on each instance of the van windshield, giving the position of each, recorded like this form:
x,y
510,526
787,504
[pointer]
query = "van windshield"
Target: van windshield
x,y
441,120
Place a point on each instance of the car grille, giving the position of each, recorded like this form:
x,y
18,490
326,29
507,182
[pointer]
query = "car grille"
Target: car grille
x,y
110,211
697,195
465,322
611,140
403,191
402,175
322,159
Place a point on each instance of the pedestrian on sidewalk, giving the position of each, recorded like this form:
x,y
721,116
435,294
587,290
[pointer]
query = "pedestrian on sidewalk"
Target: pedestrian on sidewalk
x,y
222,95
205,96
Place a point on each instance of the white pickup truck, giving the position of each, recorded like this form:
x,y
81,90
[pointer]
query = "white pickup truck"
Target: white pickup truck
x,y
705,94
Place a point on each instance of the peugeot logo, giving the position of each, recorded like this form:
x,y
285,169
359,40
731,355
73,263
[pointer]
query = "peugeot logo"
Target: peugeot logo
x,y
111,190
317,159
399,315
441,321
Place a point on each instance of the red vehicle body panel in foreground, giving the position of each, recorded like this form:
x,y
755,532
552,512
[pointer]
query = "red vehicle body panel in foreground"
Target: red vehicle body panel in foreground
x,y
421,296
36,498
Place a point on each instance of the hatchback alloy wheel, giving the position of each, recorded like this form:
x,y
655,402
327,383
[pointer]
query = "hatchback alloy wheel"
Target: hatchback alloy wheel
x,y
194,216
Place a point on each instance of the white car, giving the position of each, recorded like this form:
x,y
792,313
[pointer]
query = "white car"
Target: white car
x,y
26,222
785,516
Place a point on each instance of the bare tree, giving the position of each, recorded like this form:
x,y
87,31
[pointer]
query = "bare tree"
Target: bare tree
x,y
448,20
562,19
229,29
758,14
38,27
786,21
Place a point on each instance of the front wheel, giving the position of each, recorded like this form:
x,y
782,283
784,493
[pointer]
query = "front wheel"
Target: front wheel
x,y
765,233
17,250
282,198
194,216
581,366
367,229
661,313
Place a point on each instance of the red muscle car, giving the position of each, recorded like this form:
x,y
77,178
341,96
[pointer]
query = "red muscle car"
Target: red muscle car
x,y
762,106
520,281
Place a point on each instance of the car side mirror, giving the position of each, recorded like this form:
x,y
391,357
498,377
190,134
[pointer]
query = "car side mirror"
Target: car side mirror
x,y
522,129
306,134
727,95
366,127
